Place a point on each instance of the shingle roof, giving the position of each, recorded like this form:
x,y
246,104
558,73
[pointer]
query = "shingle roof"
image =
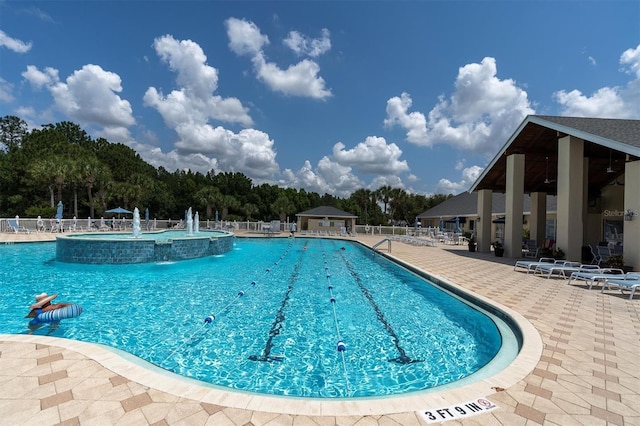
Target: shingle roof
x,y
616,130
326,211
466,205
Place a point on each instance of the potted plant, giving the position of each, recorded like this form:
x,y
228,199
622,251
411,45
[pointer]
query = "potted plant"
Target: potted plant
x,y
472,243
558,254
616,261
498,248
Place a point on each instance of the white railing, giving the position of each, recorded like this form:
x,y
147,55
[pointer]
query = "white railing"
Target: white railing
x,y
249,226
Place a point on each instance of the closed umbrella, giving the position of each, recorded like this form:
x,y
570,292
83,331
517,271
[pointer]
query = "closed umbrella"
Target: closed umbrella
x,y
59,211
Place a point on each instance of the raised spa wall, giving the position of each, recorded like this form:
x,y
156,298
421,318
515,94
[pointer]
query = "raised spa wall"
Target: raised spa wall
x,y
139,250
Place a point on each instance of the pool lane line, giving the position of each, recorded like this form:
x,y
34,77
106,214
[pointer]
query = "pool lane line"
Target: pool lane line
x,y
403,358
340,345
209,319
276,327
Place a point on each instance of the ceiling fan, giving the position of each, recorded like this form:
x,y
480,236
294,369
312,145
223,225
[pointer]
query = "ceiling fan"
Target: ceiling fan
x,y
616,183
547,181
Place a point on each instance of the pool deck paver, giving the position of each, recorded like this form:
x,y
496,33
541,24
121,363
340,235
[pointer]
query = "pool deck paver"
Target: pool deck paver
x,y
587,372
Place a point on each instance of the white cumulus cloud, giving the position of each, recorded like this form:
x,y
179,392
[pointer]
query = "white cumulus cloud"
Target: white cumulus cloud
x,y
14,44
299,79
468,177
89,97
373,156
195,99
303,45
609,102
478,117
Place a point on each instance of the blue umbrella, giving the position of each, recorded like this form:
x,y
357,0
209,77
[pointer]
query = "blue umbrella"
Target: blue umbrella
x,y
146,215
457,224
118,211
216,215
59,211
441,224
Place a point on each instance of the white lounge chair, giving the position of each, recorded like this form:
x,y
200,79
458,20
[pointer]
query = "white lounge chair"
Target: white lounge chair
x,y
631,282
596,276
530,265
564,270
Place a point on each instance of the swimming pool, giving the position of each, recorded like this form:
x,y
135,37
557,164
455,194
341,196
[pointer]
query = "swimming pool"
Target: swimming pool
x,y
281,335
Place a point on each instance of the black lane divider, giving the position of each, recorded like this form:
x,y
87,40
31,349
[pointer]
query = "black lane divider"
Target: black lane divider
x,y
276,327
403,358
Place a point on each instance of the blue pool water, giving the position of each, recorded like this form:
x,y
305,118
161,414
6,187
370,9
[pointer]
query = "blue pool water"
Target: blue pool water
x,y
276,329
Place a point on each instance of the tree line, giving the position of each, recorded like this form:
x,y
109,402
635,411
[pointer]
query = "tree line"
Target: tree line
x,y
61,162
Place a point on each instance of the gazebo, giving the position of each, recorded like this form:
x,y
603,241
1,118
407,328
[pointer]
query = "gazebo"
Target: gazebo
x,y
326,218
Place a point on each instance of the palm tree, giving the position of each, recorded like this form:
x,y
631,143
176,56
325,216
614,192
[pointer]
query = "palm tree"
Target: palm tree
x,y
208,197
228,202
250,210
91,171
362,198
283,207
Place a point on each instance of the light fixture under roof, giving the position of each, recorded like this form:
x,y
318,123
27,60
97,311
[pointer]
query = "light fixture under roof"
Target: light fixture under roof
x,y
547,181
610,169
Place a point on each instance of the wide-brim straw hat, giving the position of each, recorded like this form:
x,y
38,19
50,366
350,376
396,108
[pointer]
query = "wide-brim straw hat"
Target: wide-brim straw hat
x,y
43,299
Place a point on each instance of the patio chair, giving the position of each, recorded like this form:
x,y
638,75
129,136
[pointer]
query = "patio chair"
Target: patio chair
x,y
563,269
600,254
594,277
530,265
631,282
530,249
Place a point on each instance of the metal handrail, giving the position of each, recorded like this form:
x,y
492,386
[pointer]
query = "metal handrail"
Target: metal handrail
x,y
388,240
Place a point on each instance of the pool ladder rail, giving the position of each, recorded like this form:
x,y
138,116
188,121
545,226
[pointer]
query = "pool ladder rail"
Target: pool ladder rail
x,y
388,240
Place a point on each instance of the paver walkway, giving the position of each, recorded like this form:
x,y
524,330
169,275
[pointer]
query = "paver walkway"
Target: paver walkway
x,y
588,372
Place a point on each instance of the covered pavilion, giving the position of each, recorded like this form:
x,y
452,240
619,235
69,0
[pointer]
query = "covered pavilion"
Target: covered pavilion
x,y
585,162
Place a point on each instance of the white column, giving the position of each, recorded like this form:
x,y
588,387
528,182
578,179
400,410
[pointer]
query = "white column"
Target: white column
x,y
513,206
570,197
485,201
632,227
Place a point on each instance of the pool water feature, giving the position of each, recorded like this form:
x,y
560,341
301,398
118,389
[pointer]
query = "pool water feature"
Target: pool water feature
x,y
275,326
138,247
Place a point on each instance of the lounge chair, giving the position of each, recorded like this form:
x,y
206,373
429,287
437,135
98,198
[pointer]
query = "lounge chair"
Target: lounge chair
x,y
631,281
14,226
565,269
530,265
596,276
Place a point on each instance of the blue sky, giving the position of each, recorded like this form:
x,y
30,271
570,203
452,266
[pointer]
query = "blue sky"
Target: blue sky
x,y
327,96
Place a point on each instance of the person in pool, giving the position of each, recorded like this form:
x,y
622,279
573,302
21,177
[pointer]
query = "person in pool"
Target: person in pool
x,y
43,304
